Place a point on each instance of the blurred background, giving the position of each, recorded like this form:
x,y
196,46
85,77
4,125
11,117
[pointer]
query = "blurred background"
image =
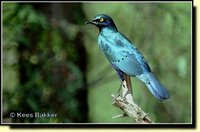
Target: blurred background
x,y
52,63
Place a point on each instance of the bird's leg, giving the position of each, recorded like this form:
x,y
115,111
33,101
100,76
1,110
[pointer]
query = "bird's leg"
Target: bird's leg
x,y
122,77
127,94
119,90
126,84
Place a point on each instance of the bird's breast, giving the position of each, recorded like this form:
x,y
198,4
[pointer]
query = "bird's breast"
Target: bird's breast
x,y
108,47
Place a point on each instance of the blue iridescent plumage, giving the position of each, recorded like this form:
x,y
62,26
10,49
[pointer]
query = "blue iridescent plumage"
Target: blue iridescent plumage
x,y
124,56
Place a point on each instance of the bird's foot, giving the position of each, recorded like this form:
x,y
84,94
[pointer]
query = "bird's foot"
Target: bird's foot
x,y
119,92
127,92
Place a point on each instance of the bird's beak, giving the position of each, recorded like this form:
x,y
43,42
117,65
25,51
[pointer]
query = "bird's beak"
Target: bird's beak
x,y
90,22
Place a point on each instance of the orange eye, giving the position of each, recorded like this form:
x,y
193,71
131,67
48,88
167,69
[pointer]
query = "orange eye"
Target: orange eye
x,y
101,19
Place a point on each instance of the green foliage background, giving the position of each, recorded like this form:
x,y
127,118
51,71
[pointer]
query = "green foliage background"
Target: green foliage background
x,y
52,63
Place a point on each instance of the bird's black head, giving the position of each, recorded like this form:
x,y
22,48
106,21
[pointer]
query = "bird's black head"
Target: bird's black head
x,y
102,21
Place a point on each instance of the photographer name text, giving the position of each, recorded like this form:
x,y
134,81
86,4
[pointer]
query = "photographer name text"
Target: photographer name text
x,y
33,115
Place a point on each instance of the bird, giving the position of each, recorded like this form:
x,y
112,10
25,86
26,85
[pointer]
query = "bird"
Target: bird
x,y
124,57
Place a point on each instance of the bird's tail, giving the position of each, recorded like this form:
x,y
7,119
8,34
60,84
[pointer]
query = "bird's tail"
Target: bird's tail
x,y
154,85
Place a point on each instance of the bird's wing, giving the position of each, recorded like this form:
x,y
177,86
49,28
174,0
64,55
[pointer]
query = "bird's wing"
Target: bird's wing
x,y
123,55
127,63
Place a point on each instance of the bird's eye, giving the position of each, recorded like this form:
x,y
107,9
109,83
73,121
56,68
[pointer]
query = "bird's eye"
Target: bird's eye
x,y
101,19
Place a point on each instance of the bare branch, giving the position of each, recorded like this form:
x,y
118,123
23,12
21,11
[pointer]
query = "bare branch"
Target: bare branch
x,y
127,104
